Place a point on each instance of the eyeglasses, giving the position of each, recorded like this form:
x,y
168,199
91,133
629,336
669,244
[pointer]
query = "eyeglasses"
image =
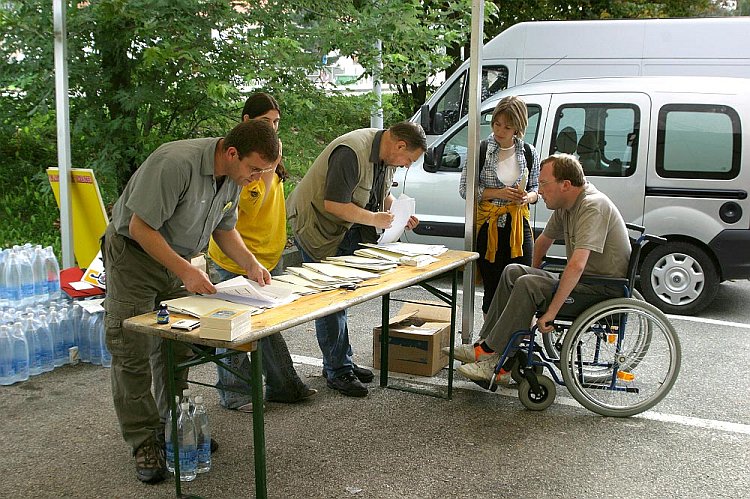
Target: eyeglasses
x,y
261,172
542,184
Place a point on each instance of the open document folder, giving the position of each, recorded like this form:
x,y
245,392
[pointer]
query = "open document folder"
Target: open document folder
x,y
247,292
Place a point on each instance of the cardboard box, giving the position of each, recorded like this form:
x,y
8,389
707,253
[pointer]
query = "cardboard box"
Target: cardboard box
x,y
415,338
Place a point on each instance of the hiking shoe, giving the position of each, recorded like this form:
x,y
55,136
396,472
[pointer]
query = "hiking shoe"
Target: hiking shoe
x,y
485,371
468,354
362,374
349,385
303,393
150,463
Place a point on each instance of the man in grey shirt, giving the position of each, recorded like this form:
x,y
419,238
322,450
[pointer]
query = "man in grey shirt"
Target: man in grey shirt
x,y
185,192
596,243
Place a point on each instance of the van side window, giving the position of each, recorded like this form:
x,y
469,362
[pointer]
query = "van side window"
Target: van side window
x,y
602,136
698,141
454,104
455,150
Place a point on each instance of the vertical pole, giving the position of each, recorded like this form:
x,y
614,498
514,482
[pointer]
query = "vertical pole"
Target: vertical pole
x,y
376,116
472,163
259,435
63,132
385,313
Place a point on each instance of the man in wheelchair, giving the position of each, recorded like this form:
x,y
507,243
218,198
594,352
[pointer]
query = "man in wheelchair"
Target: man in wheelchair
x,y
596,243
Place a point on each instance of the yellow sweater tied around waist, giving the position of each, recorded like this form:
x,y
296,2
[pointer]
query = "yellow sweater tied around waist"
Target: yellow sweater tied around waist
x,y
488,212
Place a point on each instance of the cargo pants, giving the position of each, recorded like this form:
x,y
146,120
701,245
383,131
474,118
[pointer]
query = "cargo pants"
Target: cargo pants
x,y
136,284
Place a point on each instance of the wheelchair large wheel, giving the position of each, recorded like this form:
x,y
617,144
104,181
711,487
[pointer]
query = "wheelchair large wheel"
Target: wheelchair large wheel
x,y
620,357
553,341
537,400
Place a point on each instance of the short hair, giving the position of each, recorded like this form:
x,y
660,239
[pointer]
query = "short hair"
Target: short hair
x,y
514,110
566,167
253,136
259,104
411,133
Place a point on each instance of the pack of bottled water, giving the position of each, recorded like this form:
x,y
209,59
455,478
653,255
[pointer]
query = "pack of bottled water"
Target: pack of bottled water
x,y
40,327
193,437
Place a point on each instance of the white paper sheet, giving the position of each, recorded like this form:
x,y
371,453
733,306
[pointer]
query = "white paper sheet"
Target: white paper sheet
x,y
402,208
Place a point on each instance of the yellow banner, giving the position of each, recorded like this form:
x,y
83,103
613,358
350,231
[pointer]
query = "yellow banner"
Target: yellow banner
x,y
88,213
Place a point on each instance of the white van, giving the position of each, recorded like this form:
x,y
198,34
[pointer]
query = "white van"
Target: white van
x,y
558,50
671,152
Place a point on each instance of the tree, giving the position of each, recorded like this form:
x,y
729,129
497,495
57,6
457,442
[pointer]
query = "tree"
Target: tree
x,y
142,72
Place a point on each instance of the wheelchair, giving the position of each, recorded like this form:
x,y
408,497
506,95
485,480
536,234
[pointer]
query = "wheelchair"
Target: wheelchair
x,y
617,356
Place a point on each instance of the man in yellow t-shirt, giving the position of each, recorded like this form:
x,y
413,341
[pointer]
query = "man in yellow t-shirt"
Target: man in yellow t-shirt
x,y
261,222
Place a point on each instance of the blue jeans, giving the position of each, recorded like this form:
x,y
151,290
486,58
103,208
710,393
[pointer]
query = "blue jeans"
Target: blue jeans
x,y
332,330
282,382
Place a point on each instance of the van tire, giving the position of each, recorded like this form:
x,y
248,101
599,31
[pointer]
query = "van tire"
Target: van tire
x,y
679,278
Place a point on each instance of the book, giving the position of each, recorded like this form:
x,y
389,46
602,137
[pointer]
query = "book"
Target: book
x,y
225,318
197,305
224,334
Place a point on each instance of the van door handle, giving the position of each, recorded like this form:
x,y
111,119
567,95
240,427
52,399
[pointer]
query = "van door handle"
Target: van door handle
x,y
394,184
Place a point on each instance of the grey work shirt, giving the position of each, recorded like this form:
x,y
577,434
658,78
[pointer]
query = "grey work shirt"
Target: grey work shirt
x,y
174,192
343,175
593,223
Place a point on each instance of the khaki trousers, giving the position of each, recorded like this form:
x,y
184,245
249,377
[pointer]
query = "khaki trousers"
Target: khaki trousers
x,y
136,284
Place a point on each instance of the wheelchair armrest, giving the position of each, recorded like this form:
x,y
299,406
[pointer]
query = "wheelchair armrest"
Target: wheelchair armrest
x,y
554,263
654,239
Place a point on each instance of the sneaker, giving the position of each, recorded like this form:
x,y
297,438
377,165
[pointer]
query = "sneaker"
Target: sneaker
x,y
349,385
248,408
362,374
469,354
150,463
485,371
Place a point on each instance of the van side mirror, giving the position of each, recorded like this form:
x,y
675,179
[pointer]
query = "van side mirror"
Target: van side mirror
x,y
432,159
424,118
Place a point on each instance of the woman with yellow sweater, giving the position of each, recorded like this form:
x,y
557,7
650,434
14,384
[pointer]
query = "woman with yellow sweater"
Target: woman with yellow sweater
x,y
261,222
507,182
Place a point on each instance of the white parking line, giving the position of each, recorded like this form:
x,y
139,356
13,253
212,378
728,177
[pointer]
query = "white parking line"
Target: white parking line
x,y
710,424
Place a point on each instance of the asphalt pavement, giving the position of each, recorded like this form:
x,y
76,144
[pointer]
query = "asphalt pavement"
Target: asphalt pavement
x,y
61,437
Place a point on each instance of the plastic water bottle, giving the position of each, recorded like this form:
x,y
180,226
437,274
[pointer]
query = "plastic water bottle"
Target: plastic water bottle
x,y
20,352
74,315
103,350
35,346
7,373
53,273
168,435
94,338
66,322
187,397
40,275
186,436
55,328
12,279
47,350
200,418
83,338
26,275
3,288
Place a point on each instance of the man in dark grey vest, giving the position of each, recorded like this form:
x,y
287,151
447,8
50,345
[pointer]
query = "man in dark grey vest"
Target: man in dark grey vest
x,y
354,174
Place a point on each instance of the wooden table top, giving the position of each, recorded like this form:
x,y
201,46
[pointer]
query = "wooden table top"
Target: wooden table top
x,y
309,307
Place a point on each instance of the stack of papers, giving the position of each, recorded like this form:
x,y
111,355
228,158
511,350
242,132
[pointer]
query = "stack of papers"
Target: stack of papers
x,y
225,324
246,292
409,249
361,262
201,305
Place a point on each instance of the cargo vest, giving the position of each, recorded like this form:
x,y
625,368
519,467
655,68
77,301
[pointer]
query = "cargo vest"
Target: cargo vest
x,y
320,233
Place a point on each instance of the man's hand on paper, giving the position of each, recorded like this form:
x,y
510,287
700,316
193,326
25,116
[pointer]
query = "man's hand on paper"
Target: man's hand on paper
x,y
197,281
412,222
382,219
259,274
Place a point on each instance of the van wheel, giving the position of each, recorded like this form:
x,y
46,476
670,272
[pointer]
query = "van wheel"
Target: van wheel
x,y
679,278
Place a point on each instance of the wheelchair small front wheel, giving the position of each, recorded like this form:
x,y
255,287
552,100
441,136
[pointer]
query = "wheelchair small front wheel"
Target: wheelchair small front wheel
x,y
540,399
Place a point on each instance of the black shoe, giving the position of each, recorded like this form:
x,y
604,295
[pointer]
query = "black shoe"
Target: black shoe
x,y
214,446
150,463
348,385
303,393
362,374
